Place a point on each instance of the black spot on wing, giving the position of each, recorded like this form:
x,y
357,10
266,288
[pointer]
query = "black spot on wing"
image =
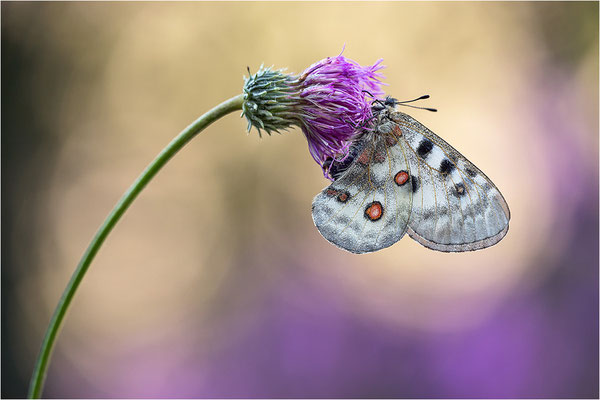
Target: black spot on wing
x,y
415,183
446,166
424,148
459,190
471,173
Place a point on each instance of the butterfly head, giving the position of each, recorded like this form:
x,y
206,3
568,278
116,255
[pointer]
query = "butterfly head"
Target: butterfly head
x,y
377,106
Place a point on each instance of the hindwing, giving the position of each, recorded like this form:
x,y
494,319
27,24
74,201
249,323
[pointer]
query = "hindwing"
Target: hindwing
x,y
367,208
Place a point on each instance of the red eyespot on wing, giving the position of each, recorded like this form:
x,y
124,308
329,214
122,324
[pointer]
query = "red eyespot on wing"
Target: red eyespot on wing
x,y
391,140
364,157
331,192
343,197
401,178
374,211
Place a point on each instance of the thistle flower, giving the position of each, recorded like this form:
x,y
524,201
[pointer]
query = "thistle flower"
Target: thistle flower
x,y
328,101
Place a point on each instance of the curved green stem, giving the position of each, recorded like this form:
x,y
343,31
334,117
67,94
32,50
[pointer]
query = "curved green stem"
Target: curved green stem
x,y
41,366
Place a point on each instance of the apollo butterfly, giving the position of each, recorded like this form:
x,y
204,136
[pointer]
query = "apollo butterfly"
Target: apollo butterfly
x,y
400,177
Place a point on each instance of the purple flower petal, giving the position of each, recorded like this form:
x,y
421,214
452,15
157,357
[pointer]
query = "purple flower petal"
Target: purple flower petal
x,y
330,101
335,102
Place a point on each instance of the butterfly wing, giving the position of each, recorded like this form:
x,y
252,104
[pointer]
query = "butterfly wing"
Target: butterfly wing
x,y
368,207
455,206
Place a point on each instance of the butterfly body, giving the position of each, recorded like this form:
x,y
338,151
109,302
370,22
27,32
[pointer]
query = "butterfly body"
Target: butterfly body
x,y
399,177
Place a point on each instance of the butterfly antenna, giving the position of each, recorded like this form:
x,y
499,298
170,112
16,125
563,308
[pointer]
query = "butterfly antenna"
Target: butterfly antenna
x,y
425,96
420,108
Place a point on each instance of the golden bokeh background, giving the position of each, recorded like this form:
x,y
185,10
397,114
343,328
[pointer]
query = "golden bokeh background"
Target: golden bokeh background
x,y
216,282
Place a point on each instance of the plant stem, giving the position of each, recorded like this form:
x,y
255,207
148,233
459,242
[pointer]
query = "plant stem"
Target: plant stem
x,y
41,366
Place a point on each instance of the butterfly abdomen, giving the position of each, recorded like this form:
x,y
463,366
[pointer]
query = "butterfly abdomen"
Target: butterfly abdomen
x,y
337,168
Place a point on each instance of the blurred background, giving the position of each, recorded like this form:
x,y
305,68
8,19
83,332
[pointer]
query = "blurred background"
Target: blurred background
x,y
216,283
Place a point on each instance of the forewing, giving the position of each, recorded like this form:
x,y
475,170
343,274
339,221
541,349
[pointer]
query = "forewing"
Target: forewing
x,y
455,206
366,209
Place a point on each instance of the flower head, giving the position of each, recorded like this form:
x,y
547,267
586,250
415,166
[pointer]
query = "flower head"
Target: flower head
x,y
270,100
328,101
335,96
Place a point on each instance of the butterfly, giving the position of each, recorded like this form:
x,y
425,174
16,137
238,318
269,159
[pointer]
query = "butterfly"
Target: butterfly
x,y
400,177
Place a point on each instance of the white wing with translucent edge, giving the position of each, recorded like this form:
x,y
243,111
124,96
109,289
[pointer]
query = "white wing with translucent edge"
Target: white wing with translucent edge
x,y
455,206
